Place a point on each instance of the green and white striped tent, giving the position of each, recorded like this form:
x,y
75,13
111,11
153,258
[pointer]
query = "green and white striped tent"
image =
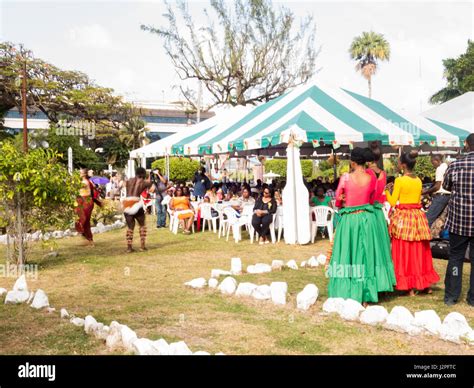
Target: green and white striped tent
x,y
328,116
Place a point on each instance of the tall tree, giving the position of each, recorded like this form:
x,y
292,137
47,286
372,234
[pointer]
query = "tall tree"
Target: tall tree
x,y
67,95
459,74
367,49
246,53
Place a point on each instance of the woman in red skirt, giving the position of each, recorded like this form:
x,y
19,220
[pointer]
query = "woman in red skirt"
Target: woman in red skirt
x,y
409,231
85,206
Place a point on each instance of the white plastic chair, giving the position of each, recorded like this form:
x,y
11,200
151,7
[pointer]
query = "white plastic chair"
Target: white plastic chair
x,y
207,217
174,221
279,222
234,222
272,230
323,216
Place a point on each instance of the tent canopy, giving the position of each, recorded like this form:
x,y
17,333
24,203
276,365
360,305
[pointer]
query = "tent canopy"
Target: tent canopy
x,y
458,112
328,117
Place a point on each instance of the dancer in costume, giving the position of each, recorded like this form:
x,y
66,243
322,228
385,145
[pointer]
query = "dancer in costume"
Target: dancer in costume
x,y
383,254
85,206
409,231
353,271
133,207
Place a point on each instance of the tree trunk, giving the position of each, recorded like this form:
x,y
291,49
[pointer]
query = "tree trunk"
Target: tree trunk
x,y
19,225
369,81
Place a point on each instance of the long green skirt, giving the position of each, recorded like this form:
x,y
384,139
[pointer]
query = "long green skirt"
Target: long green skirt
x,y
355,271
385,272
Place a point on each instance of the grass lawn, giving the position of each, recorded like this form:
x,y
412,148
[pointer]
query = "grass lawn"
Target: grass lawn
x,y
145,291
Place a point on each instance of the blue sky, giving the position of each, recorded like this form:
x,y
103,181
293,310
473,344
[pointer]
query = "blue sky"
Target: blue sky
x,y
104,40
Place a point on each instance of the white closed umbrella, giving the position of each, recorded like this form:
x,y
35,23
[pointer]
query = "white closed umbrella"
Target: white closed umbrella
x,y
296,217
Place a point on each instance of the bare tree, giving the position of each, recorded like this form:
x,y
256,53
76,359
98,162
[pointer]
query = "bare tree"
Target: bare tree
x,y
246,53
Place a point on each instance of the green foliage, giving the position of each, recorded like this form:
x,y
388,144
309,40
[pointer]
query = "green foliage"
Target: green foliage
x,y
181,169
278,166
326,169
38,186
69,96
459,74
424,168
105,214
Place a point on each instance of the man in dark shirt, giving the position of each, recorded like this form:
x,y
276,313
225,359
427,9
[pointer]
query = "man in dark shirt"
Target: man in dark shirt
x,y
459,180
135,187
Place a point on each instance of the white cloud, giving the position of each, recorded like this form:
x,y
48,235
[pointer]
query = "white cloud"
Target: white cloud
x,y
90,36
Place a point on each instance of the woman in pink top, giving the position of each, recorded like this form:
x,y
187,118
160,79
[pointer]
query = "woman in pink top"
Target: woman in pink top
x,y
353,271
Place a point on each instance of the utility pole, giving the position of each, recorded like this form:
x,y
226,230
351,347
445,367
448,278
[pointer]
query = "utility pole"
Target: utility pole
x,y
23,107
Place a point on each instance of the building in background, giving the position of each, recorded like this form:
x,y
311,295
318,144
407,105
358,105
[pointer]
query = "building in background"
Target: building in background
x,y
162,119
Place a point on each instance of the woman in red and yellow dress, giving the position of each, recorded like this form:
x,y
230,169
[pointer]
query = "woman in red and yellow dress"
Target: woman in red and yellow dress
x,y
409,231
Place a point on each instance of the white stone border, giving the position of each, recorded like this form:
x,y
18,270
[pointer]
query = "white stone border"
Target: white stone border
x,y
115,336
454,327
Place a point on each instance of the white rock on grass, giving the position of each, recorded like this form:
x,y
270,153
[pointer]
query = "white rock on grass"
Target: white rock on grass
x,y
64,313
20,284
374,315
292,264
278,292
454,328
3,291
50,310
303,264
179,349
196,283
277,265
144,347
351,310
102,332
313,262
40,300
14,297
470,337
306,298
333,305
400,319
219,354
90,324
162,347
321,259
201,353
228,286
245,289
428,321
114,339
236,266
128,336
215,273
213,283
262,292
77,321
259,268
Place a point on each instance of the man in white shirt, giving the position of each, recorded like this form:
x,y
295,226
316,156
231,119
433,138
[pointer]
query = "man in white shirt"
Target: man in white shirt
x,y
216,175
440,195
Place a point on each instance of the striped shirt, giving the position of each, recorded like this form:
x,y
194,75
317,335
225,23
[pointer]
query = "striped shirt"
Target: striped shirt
x,y
459,180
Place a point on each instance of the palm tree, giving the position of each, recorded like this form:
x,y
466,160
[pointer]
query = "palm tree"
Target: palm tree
x,y
132,134
367,49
